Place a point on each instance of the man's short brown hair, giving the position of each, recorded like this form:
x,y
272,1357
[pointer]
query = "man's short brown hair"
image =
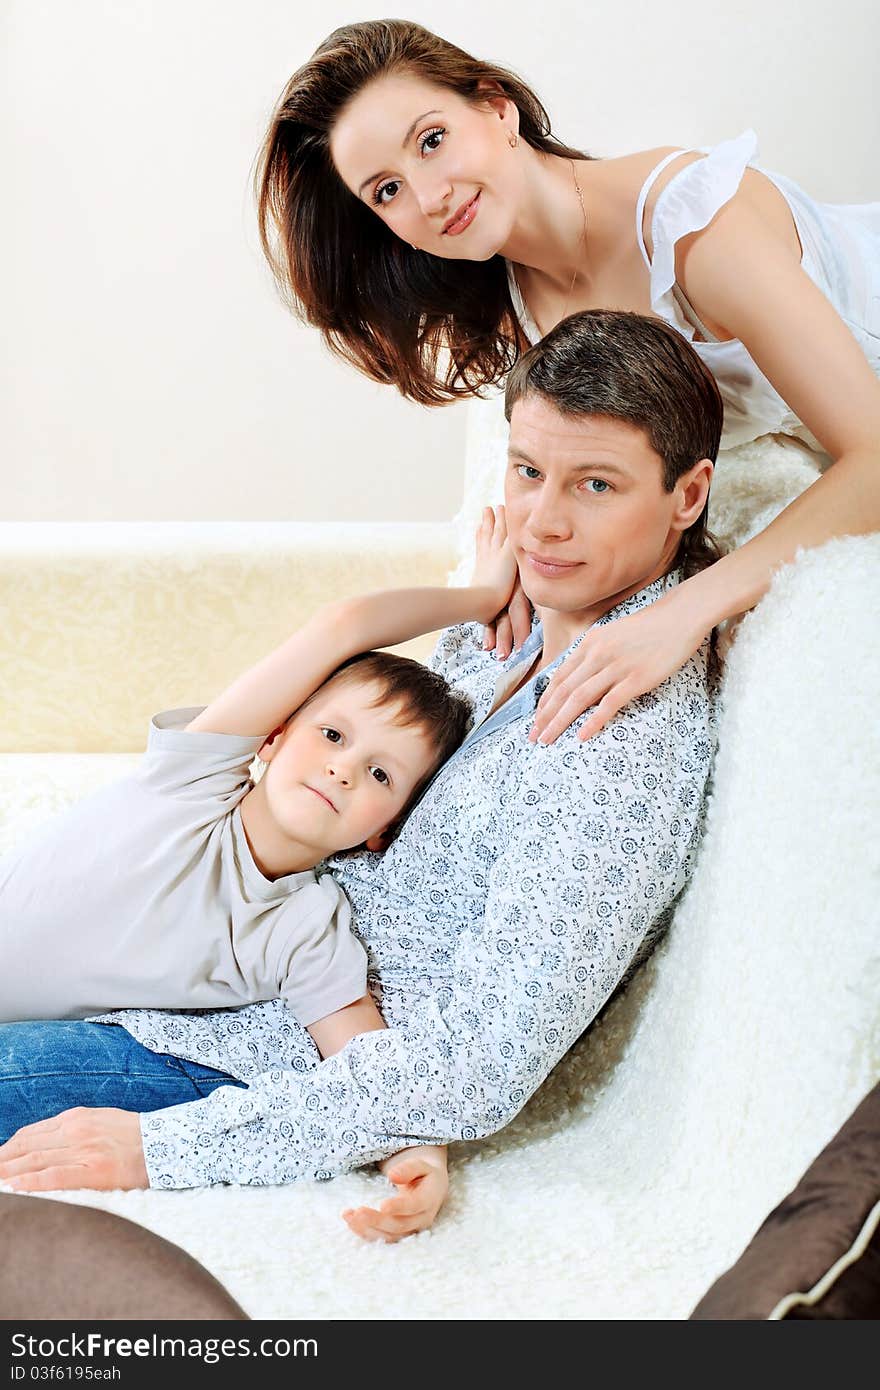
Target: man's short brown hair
x,y
639,370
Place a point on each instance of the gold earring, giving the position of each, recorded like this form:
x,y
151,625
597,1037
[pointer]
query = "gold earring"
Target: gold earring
x,y
512,139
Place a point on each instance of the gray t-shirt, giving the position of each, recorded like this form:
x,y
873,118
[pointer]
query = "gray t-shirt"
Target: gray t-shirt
x,y
146,895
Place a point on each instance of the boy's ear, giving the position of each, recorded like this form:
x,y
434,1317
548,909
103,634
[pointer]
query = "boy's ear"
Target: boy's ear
x,y
271,744
379,842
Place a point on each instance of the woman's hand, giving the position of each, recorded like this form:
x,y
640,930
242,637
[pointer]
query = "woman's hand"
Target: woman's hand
x,y
422,1184
496,567
617,662
86,1147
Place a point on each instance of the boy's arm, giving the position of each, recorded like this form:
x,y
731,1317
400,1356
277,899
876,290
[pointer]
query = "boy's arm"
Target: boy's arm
x,y
266,695
421,1179
330,1034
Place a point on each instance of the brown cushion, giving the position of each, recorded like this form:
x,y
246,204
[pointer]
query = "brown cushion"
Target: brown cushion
x,y
817,1255
70,1262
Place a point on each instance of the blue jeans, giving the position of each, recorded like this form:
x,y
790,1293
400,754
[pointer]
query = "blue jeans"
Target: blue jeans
x,y
47,1067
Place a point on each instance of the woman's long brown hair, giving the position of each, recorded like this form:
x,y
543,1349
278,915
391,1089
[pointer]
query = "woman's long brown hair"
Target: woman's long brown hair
x,y
436,329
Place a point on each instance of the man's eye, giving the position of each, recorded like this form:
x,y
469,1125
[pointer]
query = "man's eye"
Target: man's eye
x,y
332,735
390,188
525,470
380,775
432,140
597,486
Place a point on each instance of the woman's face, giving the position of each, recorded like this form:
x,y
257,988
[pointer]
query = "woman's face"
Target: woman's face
x,y
439,170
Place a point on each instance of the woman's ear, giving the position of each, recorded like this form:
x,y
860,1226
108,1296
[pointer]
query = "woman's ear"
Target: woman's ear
x,y
494,95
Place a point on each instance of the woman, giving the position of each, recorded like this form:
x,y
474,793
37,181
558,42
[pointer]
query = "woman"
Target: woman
x,y
415,208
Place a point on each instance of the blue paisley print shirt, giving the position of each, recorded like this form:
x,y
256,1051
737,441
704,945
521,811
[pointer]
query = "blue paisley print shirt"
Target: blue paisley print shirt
x,y
524,889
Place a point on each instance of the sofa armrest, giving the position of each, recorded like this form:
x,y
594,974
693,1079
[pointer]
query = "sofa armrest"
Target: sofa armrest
x,y
105,623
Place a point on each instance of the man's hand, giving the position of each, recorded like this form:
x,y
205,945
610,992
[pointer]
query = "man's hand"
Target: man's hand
x,y
85,1147
422,1184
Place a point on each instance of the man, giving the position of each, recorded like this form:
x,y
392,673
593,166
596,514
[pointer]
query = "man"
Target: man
x,y
531,879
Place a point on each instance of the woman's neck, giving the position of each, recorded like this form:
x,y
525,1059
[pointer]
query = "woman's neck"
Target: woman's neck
x,y
548,236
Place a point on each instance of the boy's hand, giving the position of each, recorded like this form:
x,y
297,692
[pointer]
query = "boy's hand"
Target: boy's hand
x,y
422,1184
495,566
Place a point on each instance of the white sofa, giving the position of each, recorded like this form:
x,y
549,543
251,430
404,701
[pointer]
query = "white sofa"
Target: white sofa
x,y
642,1167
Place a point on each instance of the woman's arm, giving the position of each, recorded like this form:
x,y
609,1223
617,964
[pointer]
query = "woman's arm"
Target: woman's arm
x,y
741,275
737,273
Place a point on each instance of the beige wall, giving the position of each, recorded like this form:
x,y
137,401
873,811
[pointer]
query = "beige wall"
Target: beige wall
x,y
151,372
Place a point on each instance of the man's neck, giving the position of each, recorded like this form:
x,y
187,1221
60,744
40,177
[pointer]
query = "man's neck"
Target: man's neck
x,y
560,628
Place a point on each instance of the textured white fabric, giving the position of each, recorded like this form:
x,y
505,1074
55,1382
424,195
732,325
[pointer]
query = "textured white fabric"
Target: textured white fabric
x,y
146,894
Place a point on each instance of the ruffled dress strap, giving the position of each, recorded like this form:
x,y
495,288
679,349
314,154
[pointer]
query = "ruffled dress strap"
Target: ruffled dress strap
x,y
688,203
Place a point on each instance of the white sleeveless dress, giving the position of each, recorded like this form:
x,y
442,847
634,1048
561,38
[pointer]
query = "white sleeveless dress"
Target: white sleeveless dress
x,y
841,254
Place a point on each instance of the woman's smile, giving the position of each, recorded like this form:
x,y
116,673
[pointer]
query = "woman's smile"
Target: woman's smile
x,y
462,219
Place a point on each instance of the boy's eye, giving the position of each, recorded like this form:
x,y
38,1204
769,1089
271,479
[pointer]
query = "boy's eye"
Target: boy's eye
x,y
332,735
380,775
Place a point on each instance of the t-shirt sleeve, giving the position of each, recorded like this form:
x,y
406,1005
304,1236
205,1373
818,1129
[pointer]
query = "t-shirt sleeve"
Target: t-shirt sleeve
x,y
197,765
321,966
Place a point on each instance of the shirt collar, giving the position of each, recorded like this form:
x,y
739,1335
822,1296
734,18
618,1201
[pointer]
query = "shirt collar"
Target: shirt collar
x,y
507,676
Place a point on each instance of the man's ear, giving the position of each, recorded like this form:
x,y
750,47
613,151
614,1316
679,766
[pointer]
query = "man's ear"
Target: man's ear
x,y
271,743
693,492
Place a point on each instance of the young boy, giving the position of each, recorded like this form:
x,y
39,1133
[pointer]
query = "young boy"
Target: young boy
x,y
190,886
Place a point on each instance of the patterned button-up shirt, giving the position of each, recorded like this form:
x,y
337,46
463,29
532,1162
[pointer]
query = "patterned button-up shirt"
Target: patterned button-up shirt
x,y
525,887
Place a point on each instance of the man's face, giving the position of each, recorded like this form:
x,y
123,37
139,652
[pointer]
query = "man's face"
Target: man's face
x,y
341,771
587,514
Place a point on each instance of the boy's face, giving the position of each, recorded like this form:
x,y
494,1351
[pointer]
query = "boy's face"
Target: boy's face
x,y
341,771
587,514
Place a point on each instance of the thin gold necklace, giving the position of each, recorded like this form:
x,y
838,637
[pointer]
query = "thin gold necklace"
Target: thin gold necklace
x,y
581,244
582,241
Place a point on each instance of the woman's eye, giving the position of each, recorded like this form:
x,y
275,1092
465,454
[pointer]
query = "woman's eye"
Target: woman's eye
x,y
380,775
432,140
597,486
332,735
390,188
526,471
